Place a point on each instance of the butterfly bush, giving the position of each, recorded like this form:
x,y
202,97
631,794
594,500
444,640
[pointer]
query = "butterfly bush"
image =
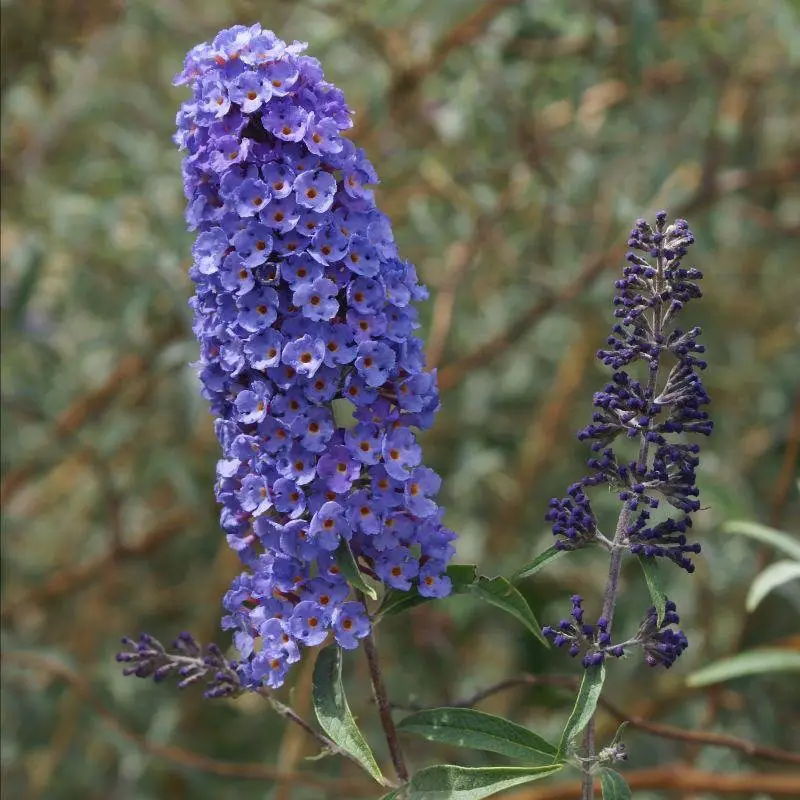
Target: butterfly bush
x,y
654,414
308,358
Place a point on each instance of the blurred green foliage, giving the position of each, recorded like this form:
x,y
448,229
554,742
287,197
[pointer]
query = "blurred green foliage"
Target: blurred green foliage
x,y
517,142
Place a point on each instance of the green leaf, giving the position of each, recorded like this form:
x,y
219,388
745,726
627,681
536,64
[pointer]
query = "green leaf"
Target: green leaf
x,y
540,562
499,592
465,727
347,563
752,662
395,601
652,577
613,785
787,544
585,705
774,576
333,713
448,782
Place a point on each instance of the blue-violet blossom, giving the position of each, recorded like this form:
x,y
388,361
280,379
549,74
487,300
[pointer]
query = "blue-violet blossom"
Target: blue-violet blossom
x,y
301,301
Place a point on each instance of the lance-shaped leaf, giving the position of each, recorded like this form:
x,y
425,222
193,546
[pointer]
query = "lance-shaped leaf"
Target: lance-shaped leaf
x,y
540,562
333,712
585,706
773,577
753,662
787,544
465,727
499,592
613,785
395,601
653,579
347,563
447,782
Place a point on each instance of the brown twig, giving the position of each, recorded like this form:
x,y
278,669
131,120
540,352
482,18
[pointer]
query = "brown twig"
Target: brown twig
x,y
653,728
77,577
680,778
382,701
172,753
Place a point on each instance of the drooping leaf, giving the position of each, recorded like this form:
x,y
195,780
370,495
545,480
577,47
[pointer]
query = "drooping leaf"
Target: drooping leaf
x,y
347,563
787,544
652,577
613,785
773,577
585,706
540,562
333,712
752,662
448,782
395,601
499,592
466,727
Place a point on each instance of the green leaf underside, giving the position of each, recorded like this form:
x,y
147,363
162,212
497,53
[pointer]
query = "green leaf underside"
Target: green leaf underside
x,y
752,662
465,727
540,562
447,782
787,544
652,577
585,705
613,785
499,592
347,563
333,712
395,601
773,577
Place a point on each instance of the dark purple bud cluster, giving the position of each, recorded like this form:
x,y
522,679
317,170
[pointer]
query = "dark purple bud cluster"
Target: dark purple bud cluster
x,y
662,645
305,317
667,403
581,637
148,658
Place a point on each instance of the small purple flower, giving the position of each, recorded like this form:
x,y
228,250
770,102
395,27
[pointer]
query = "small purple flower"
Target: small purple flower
x,y
365,442
307,623
397,567
258,309
208,250
338,469
422,484
264,349
328,245
250,91
317,300
280,179
304,355
252,405
374,362
401,453
251,197
328,526
350,623
315,190
433,582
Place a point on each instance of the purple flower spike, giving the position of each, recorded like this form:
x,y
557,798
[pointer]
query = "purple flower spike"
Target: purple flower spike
x,y
301,301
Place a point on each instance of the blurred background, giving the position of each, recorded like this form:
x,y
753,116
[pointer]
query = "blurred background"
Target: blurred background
x,y
517,141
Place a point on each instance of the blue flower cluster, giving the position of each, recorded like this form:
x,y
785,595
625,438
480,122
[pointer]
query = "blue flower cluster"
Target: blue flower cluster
x,y
303,307
654,414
